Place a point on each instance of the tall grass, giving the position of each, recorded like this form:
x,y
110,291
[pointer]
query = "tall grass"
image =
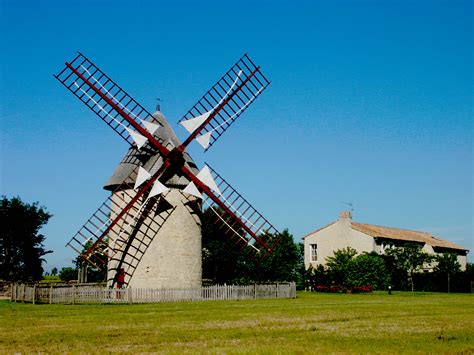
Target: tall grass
x,y
403,322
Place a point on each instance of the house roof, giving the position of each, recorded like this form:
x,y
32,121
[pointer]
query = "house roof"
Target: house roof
x,y
397,234
404,235
149,159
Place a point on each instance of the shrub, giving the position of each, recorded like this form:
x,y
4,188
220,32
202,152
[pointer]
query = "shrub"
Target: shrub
x,y
368,269
330,289
361,289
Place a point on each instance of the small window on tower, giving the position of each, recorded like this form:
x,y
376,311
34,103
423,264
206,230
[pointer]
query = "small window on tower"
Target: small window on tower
x,y
314,252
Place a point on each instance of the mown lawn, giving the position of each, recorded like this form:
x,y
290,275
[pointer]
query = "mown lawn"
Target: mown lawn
x,y
402,322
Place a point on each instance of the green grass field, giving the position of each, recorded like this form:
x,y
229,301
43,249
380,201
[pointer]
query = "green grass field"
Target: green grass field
x,y
402,322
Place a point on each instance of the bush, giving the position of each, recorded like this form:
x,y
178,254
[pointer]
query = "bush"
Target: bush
x,y
368,269
68,274
330,289
361,289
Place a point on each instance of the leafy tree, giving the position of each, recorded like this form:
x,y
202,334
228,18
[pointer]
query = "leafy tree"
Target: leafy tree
x,y
300,269
221,260
54,271
316,276
21,244
97,270
339,265
470,271
410,257
224,262
447,264
368,269
283,264
68,274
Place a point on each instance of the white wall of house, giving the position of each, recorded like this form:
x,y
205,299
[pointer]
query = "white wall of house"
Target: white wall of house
x,y
334,237
340,235
462,260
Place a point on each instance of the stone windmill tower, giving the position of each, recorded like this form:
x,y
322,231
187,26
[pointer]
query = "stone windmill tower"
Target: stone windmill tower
x,y
147,232
173,255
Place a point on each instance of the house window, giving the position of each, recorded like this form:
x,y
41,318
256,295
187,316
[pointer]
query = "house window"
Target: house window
x,y
314,252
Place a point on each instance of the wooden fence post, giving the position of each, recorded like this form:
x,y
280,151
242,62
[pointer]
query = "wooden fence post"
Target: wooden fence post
x,y
73,294
13,289
130,299
50,294
255,291
276,290
34,294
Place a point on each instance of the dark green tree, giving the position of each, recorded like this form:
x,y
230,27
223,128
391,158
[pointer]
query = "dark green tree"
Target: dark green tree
x,y
68,274
317,276
448,265
368,269
222,261
410,257
339,264
21,244
301,280
225,262
54,271
97,268
470,271
284,264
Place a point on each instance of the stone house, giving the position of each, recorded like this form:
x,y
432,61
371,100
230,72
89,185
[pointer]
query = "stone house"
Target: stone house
x,y
344,232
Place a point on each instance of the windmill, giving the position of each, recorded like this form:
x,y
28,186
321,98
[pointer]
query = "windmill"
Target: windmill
x,y
147,232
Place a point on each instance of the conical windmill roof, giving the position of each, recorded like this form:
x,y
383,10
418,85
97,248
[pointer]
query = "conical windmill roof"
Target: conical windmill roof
x,y
150,161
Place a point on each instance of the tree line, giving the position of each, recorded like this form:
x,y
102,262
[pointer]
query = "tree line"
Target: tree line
x,y
22,254
400,268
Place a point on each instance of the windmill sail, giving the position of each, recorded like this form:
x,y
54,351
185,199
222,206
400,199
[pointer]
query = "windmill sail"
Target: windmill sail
x,y
221,105
238,219
125,224
108,101
105,235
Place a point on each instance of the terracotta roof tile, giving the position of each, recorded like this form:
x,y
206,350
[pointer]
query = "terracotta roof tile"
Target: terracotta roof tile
x,y
404,234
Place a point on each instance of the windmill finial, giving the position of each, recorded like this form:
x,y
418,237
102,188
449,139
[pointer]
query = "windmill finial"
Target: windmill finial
x,y
158,108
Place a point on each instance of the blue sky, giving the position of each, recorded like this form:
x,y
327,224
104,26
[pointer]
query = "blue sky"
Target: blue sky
x,y
371,102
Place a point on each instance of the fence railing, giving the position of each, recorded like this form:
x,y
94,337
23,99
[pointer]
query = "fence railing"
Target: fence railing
x,y
76,294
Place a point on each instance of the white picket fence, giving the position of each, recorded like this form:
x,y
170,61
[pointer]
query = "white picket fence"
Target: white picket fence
x,y
98,294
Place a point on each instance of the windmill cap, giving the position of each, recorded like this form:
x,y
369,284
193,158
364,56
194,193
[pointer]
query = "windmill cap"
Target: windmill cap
x,y
134,158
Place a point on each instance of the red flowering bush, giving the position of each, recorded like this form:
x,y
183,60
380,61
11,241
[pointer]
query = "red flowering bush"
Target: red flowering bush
x,y
329,289
361,289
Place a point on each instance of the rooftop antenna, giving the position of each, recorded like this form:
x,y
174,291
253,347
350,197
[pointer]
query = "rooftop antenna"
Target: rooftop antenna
x,y
158,105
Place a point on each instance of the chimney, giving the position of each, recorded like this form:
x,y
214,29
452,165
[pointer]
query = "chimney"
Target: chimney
x,y
345,215
345,223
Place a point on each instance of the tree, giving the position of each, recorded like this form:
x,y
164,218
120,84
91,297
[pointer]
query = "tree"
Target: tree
x,y
97,269
21,244
338,265
410,257
368,269
54,271
470,271
284,263
447,264
68,274
317,276
221,260
224,262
